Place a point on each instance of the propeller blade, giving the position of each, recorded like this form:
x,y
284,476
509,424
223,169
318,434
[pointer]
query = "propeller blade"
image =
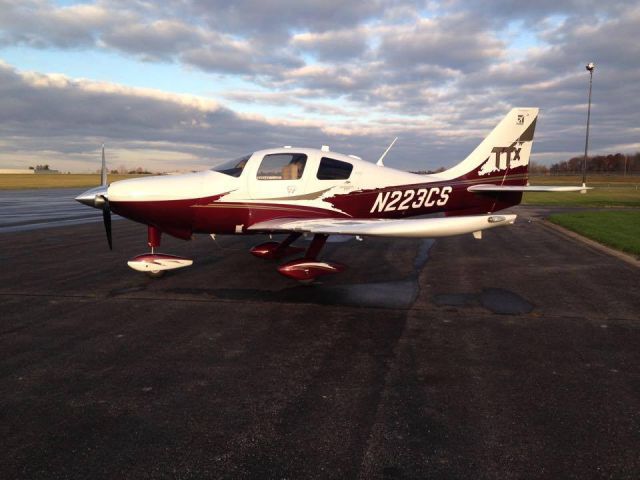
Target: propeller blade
x,y
106,217
103,170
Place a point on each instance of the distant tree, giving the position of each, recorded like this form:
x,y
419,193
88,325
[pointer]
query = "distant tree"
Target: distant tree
x,y
634,163
139,171
538,169
611,163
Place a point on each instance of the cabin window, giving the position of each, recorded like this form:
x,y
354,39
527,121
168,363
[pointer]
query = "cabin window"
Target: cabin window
x,y
331,169
282,166
233,167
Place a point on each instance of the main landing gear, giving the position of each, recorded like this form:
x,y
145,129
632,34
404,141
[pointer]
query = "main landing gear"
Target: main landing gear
x,y
305,269
155,264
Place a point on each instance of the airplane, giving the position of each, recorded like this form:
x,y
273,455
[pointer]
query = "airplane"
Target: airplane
x,y
308,191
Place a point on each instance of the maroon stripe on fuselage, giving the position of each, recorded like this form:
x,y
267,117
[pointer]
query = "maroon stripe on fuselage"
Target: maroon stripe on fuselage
x,y
174,217
182,218
224,217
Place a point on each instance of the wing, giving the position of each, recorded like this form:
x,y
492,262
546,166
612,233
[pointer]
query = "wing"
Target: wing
x,y
523,188
412,228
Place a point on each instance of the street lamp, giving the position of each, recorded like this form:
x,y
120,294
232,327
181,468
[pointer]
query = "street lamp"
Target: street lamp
x,y
590,68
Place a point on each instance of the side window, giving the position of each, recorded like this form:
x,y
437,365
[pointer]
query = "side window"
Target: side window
x,y
331,169
282,166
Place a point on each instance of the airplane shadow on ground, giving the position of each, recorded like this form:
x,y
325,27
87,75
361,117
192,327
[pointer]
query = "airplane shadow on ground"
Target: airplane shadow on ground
x,y
398,294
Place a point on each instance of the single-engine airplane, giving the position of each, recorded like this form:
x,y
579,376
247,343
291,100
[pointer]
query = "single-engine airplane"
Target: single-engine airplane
x,y
300,191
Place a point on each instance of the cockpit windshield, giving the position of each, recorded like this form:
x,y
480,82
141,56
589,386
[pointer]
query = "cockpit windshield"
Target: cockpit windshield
x,y
233,167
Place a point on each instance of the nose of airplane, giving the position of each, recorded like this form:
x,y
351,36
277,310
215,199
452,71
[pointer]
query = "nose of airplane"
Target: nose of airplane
x,y
165,187
158,188
94,197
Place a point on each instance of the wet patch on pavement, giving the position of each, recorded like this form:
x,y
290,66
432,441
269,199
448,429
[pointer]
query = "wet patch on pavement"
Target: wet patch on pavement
x,y
496,300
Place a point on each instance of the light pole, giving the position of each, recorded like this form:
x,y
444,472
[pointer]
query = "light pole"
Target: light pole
x,y
590,68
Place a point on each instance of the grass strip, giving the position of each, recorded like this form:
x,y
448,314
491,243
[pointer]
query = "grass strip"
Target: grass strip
x,y
22,182
619,230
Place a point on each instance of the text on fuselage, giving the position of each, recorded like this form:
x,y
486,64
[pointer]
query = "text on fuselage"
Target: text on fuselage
x,y
410,199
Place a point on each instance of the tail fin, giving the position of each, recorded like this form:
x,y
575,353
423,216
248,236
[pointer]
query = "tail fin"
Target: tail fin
x,y
503,156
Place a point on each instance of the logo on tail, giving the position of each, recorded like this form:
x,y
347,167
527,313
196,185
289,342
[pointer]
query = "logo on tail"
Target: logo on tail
x,y
503,158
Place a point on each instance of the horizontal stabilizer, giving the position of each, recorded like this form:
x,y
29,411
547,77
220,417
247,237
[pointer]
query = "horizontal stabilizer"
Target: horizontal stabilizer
x,y
410,228
525,188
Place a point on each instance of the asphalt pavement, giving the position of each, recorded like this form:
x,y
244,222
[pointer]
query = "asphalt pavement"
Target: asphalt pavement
x,y
516,356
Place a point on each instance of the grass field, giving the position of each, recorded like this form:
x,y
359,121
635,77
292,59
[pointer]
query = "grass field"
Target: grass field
x,y
609,191
21,182
619,230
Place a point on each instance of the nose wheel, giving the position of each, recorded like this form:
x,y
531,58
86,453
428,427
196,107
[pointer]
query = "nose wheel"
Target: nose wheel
x,y
155,273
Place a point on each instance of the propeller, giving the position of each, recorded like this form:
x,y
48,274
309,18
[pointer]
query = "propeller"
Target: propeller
x,y
106,210
106,218
97,197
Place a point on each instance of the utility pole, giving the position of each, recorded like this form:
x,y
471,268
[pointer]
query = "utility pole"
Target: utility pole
x,y
590,68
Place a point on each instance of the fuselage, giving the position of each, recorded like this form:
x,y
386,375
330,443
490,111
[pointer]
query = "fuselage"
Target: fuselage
x,y
294,183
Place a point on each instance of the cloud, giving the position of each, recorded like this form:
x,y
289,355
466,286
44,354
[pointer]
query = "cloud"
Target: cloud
x,y
279,17
332,44
458,42
157,40
39,24
71,117
352,74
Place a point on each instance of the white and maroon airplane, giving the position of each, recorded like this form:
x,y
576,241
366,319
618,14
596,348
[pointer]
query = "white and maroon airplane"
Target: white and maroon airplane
x,y
309,191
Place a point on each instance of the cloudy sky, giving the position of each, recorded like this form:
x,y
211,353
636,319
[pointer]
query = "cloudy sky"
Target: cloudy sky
x,y
185,84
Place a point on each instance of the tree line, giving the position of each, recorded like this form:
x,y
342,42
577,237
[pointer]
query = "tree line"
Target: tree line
x,y
122,170
618,163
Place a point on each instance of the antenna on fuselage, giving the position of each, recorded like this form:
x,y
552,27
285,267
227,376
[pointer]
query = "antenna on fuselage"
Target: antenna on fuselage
x,y
379,162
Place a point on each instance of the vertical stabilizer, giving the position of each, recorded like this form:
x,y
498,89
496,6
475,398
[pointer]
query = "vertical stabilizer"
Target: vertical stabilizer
x,y
503,156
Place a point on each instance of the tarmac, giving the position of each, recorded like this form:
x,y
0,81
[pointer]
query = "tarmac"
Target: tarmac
x,y
511,357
